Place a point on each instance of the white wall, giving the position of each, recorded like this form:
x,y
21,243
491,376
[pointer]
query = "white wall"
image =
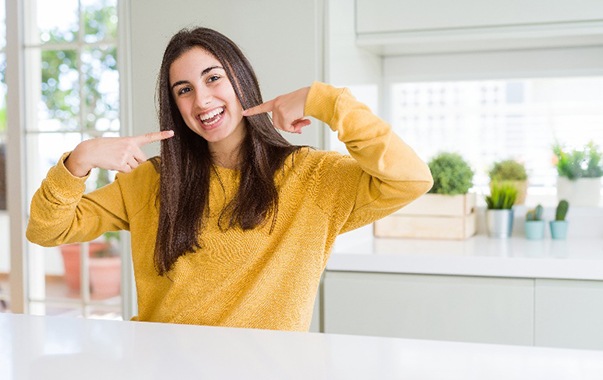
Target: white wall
x,y
347,64
283,39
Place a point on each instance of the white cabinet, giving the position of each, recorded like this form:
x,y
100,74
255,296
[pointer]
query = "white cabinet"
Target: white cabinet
x,y
541,312
569,314
474,309
399,27
378,16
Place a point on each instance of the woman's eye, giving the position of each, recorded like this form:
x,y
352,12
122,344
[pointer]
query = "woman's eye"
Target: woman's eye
x,y
183,90
213,78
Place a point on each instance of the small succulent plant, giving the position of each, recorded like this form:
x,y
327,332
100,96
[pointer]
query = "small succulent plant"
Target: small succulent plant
x,y
502,196
561,211
535,213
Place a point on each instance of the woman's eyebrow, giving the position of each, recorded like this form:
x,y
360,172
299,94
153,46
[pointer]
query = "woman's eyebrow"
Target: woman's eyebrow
x,y
179,83
205,71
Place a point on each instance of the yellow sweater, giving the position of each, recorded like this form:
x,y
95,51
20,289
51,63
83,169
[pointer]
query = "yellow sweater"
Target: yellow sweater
x,y
250,278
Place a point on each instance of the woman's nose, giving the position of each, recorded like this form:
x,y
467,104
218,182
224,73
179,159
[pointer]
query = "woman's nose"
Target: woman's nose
x,y
204,99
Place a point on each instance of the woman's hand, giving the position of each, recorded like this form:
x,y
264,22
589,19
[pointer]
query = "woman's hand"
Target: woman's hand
x,y
287,110
112,153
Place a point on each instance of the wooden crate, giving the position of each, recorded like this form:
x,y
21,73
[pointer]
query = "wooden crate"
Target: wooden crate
x,y
433,216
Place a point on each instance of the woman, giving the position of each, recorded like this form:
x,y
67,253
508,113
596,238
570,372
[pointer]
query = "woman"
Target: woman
x,y
233,225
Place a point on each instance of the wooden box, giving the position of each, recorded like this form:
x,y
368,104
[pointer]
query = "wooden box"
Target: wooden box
x,y
433,216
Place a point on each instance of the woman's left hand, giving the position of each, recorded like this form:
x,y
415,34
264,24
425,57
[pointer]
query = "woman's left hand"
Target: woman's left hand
x,y
287,110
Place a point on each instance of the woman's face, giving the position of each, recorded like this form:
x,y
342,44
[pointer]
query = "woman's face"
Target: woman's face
x,y
206,99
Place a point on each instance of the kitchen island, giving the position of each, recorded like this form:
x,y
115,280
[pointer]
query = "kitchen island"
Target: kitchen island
x,y
33,347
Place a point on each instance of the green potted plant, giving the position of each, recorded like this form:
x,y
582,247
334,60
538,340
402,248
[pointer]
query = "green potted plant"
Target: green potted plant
x,y
499,213
447,211
579,174
104,258
451,174
534,226
559,225
511,171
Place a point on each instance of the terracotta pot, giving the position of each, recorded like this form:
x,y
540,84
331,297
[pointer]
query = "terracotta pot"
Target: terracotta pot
x,y
2,177
105,276
105,272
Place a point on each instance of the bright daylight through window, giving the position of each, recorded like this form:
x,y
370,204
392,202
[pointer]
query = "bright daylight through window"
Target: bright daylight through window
x,y
492,120
72,80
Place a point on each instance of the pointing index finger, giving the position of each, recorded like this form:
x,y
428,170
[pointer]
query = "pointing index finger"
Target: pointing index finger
x,y
152,137
262,108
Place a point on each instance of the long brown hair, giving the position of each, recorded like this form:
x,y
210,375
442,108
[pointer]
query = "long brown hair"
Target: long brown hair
x,y
186,162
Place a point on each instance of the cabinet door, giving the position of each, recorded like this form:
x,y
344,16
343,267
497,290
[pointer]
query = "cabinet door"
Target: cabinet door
x,y
386,16
472,309
569,314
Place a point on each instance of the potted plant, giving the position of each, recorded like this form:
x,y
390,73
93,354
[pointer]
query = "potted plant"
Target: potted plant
x,y
104,259
511,171
579,174
559,225
534,226
447,211
451,174
499,213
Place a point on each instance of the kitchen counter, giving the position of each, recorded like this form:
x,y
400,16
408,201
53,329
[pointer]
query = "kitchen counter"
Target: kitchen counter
x,y
51,348
576,258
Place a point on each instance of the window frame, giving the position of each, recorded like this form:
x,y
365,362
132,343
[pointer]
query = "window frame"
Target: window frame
x,y
22,99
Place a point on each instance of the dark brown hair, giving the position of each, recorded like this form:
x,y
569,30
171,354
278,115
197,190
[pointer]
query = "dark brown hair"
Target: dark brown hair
x,y
186,162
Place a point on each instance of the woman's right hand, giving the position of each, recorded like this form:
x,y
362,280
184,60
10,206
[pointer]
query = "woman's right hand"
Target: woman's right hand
x,y
112,153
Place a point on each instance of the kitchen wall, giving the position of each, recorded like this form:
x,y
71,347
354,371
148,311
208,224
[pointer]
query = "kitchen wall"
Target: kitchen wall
x,y
283,40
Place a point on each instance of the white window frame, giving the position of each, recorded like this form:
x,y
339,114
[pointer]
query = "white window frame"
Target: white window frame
x,y
17,103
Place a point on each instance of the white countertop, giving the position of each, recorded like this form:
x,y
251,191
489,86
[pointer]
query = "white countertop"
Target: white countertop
x,y
64,348
575,258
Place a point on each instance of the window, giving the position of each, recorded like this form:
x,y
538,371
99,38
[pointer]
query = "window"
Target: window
x,y
489,120
72,84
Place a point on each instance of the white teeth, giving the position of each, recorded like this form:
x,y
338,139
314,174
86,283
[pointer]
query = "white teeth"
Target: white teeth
x,y
211,114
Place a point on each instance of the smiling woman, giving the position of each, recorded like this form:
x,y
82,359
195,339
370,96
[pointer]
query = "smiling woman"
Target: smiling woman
x,y
232,225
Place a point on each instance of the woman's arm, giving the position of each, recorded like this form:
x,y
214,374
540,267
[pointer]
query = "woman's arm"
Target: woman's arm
x,y
61,213
389,173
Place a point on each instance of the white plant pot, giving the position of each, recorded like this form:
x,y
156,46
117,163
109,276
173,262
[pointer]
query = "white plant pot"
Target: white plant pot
x,y
581,192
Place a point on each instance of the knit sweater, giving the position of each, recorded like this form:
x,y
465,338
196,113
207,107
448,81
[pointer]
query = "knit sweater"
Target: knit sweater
x,y
256,278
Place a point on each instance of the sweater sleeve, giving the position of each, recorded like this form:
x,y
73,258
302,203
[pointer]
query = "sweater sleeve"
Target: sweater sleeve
x,y
61,213
389,174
